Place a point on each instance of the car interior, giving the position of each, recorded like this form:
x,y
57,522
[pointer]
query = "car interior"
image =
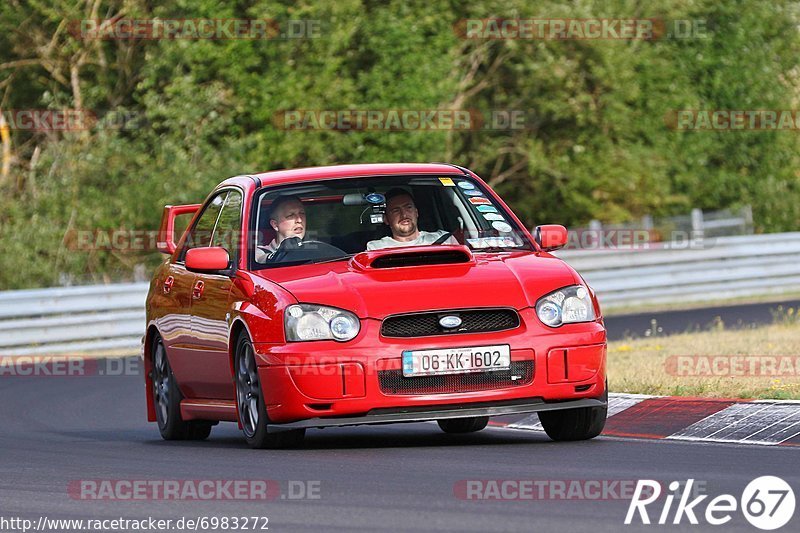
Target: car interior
x,y
339,214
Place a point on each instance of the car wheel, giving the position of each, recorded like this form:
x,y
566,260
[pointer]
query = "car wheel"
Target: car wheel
x,y
575,424
463,425
251,406
167,401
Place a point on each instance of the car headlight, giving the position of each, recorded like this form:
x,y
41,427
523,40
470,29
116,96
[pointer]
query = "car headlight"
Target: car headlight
x,y
566,306
306,322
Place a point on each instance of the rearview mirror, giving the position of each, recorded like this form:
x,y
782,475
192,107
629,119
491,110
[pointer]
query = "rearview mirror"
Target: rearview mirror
x,y
211,259
550,236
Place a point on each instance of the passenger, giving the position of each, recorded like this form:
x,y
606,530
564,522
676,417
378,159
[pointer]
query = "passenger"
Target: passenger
x,y
287,216
401,217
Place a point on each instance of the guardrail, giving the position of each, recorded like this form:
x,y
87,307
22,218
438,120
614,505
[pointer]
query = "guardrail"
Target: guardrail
x,y
72,319
698,223
722,268
108,317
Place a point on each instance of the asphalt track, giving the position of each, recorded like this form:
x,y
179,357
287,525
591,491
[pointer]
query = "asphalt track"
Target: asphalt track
x,y
56,430
738,316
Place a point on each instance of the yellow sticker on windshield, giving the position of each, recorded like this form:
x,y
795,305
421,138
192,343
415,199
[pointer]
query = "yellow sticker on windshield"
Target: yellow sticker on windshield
x,y
447,182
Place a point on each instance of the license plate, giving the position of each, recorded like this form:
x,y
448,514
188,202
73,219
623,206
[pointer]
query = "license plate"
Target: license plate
x,y
456,360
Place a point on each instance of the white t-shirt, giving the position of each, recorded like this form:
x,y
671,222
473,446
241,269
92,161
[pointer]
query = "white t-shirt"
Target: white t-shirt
x,y
425,237
263,252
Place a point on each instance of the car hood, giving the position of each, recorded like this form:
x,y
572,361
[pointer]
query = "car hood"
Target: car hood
x,y
515,280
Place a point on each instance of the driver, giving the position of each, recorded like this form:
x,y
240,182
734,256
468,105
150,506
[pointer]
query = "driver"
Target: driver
x,y
401,217
287,216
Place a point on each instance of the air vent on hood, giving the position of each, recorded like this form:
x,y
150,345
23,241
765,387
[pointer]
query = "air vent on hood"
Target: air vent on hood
x,y
438,257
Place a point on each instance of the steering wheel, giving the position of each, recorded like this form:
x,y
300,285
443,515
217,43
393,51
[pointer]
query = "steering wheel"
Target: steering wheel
x,y
295,249
443,238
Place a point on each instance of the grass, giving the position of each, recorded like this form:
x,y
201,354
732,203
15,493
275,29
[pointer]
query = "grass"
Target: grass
x,y
652,365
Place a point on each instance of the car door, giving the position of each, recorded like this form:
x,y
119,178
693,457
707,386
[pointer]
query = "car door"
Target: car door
x,y
183,355
210,310
175,302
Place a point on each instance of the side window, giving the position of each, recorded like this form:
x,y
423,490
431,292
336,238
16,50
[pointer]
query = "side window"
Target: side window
x,y
203,230
229,225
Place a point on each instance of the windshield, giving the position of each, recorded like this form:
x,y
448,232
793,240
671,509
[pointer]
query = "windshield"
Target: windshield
x,y
335,219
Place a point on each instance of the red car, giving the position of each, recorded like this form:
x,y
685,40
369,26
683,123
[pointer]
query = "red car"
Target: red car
x,y
367,294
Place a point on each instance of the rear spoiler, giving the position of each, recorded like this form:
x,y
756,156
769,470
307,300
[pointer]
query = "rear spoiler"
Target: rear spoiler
x,y
166,243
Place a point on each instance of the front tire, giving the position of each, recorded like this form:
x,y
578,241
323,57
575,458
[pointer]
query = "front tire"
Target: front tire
x,y
167,400
250,403
463,425
583,423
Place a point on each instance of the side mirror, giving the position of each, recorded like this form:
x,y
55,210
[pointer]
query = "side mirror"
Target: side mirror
x,y
211,259
550,236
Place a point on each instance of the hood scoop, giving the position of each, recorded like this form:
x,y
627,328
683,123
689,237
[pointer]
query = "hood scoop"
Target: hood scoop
x,y
413,256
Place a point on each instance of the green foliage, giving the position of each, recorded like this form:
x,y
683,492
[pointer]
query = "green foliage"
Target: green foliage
x,y
596,143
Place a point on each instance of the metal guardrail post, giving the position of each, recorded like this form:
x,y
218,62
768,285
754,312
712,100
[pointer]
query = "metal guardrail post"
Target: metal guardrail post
x,y
595,230
697,223
747,213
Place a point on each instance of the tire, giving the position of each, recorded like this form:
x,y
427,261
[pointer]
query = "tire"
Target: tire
x,y
198,430
167,400
583,423
250,403
463,425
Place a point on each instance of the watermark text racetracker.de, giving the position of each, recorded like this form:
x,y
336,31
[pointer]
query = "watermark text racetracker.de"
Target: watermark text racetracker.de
x,y
402,119
25,366
634,239
143,240
549,489
716,120
193,29
71,120
737,366
568,29
193,489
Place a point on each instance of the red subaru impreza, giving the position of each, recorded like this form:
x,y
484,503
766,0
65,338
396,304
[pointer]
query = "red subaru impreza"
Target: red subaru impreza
x,y
367,294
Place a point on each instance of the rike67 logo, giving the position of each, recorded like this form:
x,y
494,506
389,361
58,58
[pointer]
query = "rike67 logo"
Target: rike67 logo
x,y
767,503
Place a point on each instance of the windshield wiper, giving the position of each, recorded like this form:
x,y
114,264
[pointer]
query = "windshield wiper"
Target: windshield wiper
x,y
333,259
495,249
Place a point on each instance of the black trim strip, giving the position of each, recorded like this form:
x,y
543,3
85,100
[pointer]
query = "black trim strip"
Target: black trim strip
x,y
462,169
439,412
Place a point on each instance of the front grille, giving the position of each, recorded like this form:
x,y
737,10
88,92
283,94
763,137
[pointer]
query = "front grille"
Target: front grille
x,y
427,324
393,381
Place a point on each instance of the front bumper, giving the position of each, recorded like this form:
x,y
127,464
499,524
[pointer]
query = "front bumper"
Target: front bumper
x,y
326,383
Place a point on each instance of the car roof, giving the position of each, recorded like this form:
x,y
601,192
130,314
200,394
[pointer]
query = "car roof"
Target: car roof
x,y
346,171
